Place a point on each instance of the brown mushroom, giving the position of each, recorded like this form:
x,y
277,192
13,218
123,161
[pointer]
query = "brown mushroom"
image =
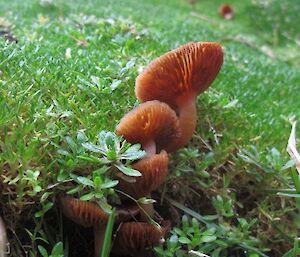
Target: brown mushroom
x,y
3,239
138,238
154,171
88,214
152,124
226,11
177,77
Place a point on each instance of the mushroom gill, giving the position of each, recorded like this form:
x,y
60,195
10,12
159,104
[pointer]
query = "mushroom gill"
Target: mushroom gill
x,y
88,214
152,124
137,238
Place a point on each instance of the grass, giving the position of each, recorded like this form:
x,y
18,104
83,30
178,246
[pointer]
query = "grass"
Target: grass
x,y
231,169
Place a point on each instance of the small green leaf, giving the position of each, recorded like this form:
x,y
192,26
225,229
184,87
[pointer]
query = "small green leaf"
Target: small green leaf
x,y
71,143
101,139
115,84
93,159
63,152
43,251
97,181
45,208
210,217
289,164
289,195
62,176
87,197
99,195
101,171
173,240
104,205
178,231
111,141
57,250
145,200
128,171
85,181
111,155
184,240
109,184
37,189
185,221
45,196
70,163
73,190
133,153
91,147
207,239
81,137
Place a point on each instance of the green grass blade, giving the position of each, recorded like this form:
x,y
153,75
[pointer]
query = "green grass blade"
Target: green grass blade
x,y
296,180
108,234
187,210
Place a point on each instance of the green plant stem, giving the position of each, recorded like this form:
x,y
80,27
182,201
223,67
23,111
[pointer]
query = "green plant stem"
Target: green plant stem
x,y
140,206
106,238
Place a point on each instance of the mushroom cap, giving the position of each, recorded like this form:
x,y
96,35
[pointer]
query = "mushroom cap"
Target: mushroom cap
x,y
149,121
154,171
88,214
185,71
136,238
84,213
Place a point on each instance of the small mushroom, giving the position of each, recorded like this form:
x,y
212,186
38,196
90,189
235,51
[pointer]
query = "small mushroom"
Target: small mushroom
x,y
154,171
88,214
152,124
138,238
226,11
3,239
177,77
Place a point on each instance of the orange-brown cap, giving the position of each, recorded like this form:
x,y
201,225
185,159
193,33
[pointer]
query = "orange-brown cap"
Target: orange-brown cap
x,y
154,170
150,121
84,213
88,214
136,238
185,71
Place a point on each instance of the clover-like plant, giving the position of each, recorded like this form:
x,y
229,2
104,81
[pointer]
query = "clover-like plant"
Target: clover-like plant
x,y
95,167
195,238
115,152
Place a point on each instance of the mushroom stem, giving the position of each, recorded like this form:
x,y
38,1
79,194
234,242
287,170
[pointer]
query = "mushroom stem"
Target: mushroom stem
x,y
187,122
99,234
150,148
3,239
147,210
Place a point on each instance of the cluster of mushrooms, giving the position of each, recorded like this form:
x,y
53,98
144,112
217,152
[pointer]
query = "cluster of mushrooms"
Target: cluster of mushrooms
x,y
164,122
